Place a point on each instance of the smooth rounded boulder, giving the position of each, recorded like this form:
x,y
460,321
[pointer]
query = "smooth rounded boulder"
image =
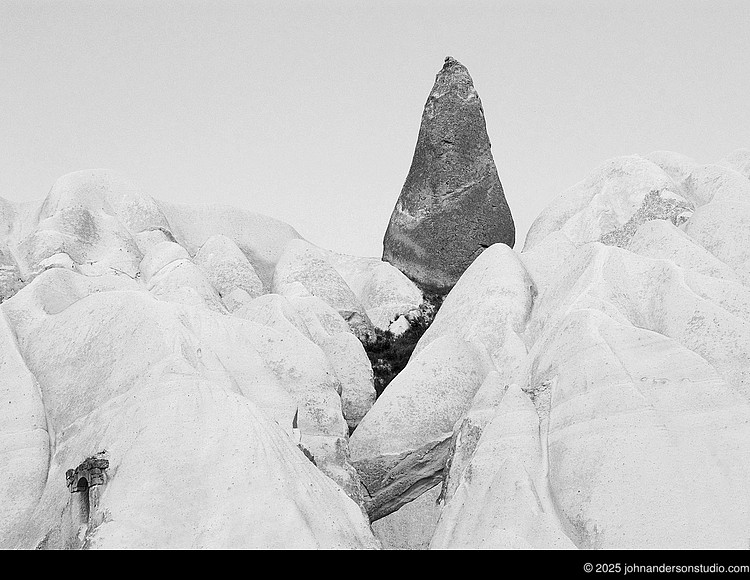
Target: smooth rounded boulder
x,y
227,268
304,264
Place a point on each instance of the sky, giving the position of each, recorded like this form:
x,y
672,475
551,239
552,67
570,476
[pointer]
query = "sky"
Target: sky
x,y
308,111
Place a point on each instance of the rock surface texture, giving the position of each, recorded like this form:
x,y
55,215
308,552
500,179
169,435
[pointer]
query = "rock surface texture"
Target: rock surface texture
x,y
182,384
452,205
149,339
605,402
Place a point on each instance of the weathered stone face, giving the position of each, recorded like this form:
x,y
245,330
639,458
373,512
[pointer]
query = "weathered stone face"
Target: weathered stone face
x,y
452,204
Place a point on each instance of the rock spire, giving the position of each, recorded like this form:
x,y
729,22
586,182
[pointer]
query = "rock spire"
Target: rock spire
x,y
452,205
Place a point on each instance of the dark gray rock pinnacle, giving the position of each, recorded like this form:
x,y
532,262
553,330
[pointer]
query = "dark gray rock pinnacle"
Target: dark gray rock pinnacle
x,y
452,205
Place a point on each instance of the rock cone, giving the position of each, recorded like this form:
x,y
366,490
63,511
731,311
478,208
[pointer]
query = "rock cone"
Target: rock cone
x,y
452,204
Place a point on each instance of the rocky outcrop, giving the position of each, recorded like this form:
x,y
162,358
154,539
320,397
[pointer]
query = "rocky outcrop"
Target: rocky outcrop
x,y
401,445
610,204
723,228
412,526
229,271
501,500
628,412
170,275
261,238
478,329
116,343
660,239
322,325
304,267
77,219
488,308
676,165
707,183
590,392
10,274
452,205
121,371
24,441
468,430
739,160
384,292
622,323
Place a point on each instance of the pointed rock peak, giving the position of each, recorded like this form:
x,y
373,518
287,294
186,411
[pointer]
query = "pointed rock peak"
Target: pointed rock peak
x,y
452,205
451,64
453,78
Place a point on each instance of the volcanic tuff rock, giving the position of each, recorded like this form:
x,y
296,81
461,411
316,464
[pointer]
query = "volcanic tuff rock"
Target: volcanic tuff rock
x,y
383,290
401,446
738,160
452,205
411,527
592,391
228,268
618,340
303,264
611,202
501,501
114,337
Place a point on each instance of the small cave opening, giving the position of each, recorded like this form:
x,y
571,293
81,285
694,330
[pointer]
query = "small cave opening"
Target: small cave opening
x,y
85,485
83,501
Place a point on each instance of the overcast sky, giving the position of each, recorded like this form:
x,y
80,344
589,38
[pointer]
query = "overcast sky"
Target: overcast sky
x,y
308,111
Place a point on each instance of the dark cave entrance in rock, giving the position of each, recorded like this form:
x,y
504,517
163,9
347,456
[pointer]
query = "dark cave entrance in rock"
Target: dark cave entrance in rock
x,y
83,501
85,484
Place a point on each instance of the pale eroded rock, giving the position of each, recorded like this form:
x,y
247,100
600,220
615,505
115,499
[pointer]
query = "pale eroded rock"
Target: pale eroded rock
x,y
227,268
305,264
610,203
401,445
502,500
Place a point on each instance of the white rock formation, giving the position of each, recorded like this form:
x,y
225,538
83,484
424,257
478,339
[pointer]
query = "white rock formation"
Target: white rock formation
x,y
629,413
261,238
707,183
24,441
399,326
660,239
321,325
739,160
610,203
502,500
383,290
167,390
630,310
302,263
488,307
323,383
10,273
468,430
401,445
228,269
590,392
220,431
723,228
676,165
412,526
170,275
